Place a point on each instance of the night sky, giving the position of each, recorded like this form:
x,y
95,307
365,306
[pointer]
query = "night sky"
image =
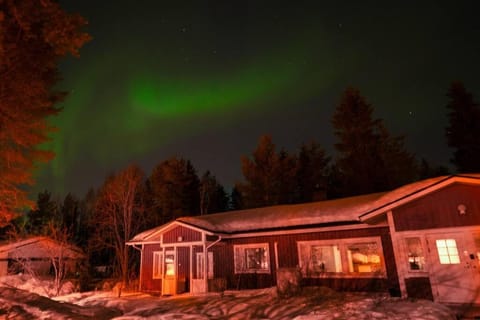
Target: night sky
x,y
204,79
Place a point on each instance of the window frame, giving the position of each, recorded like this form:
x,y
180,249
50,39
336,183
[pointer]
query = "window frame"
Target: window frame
x,y
450,253
242,248
342,246
424,247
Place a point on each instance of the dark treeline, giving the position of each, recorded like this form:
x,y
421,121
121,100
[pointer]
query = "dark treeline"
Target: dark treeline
x,y
368,159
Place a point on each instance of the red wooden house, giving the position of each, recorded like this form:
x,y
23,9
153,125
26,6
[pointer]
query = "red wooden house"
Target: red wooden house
x,y
420,240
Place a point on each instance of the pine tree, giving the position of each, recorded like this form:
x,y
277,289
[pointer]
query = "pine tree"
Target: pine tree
x,y
269,177
369,158
213,197
311,173
285,178
174,187
259,173
463,130
34,36
355,128
46,211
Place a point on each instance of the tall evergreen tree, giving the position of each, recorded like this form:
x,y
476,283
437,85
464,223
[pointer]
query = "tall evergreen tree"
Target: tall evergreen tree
x,y
46,211
369,158
213,197
236,200
399,166
311,173
70,211
463,130
34,36
259,173
269,177
355,128
174,187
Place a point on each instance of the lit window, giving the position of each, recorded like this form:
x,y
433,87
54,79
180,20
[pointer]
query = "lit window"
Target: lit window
x,y
341,257
169,264
326,259
416,259
363,257
447,251
157,265
252,258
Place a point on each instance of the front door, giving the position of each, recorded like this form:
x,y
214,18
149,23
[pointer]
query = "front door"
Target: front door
x,y
454,265
183,269
170,271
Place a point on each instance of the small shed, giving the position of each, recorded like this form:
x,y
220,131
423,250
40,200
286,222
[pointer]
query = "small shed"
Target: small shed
x,y
38,252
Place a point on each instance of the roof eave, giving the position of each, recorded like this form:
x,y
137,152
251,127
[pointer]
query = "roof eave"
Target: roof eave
x,y
162,229
417,194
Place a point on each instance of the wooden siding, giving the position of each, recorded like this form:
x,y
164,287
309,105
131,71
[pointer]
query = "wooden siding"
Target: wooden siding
x,y
187,234
439,209
183,269
148,283
419,288
288,258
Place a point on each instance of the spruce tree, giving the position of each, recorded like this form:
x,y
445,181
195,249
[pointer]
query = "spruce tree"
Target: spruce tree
x,y
311,173
174,187
463,130
369,158
269,176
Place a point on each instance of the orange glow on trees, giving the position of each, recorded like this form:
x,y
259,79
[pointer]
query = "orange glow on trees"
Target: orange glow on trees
x,y
34,35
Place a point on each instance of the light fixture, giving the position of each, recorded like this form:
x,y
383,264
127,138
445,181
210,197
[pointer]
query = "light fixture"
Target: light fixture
x,y
462,209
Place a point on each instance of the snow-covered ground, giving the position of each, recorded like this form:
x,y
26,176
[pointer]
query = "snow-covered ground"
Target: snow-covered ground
x,y
313,303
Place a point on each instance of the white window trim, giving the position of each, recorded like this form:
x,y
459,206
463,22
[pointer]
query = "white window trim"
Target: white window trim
x,y
250,246
404,255
342,245
157,259
200,267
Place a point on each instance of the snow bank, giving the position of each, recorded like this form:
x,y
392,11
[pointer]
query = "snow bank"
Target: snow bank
x,y
40,286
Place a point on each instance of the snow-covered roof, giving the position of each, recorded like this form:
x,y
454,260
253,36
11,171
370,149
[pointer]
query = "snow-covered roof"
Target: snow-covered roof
x,y
281,216
346,210
285,216
35,247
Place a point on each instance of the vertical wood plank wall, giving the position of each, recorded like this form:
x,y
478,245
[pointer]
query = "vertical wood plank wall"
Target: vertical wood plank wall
x,y
288,258
186,234
439,209
148,283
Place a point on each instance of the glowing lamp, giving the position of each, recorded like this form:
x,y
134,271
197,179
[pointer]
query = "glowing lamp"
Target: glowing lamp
x,y
462,209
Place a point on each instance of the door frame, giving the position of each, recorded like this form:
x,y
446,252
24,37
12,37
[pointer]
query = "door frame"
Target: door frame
x,y
172,287
430,251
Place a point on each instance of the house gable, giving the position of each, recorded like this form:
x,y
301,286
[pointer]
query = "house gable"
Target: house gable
x,y
409,193
180,233
440,209
170,233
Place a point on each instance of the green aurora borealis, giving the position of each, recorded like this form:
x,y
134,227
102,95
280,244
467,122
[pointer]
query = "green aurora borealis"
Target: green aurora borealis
x,y
138,105
205,79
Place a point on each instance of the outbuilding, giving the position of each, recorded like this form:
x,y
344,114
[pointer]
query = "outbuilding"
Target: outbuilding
x,y
37,253
420,240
